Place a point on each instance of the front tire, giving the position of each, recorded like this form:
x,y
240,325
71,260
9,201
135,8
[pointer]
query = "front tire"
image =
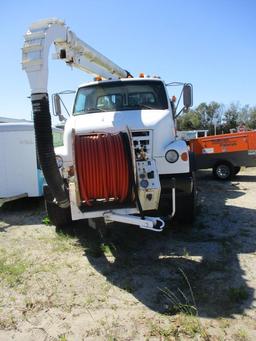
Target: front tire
x,y
60,217
186,207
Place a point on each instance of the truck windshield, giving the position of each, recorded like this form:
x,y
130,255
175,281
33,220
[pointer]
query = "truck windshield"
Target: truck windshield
x,y
121,95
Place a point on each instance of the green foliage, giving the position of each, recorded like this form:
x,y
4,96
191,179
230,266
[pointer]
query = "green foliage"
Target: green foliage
x,y
62,337
252,118
46,221
11,270
180,302
231,118
206,116
189,121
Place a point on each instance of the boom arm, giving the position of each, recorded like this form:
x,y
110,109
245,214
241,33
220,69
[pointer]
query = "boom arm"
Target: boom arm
x,y
35,53
75,52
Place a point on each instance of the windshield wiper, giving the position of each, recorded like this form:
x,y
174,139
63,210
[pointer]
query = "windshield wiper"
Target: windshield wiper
x,y
95,110
136,107
144,106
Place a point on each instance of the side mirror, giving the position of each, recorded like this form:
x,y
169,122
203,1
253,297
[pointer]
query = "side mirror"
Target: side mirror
x,y
57,106
187,96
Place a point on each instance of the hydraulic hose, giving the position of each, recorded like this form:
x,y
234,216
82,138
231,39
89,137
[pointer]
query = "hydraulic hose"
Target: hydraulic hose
x,y
134,185
103,168
45,149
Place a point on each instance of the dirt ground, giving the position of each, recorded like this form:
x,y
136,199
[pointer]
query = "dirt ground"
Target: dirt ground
x,y
182,284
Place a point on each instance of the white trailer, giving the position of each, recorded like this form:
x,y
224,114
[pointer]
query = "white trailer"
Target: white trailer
x,y
20,173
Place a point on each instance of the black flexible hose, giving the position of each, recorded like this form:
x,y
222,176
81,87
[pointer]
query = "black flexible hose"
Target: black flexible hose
x,y
134,185
45,149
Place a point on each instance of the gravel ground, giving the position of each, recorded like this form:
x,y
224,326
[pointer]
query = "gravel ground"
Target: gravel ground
x,y
183,284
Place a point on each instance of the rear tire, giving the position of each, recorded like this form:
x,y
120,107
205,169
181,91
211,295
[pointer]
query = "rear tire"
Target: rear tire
x,y
223,171
237,170
60,217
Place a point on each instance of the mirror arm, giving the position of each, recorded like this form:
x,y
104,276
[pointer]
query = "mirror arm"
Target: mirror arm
x,y
56,106
182,109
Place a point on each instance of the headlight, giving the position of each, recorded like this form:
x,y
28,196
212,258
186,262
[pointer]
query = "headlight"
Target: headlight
x,y
59,161
171,156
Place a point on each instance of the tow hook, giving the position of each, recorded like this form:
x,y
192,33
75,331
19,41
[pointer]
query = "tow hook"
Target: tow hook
x,y
148,223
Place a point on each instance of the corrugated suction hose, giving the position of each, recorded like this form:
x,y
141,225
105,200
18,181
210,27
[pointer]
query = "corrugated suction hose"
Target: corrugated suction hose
x,y
45,149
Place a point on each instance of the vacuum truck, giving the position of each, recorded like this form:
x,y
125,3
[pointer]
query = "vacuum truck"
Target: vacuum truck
x,y
120,160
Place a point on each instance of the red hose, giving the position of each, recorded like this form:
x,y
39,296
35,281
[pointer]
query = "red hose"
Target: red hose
x,y
102,167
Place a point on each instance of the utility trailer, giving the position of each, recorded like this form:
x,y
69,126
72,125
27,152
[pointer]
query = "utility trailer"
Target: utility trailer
x,y
20,173
225,153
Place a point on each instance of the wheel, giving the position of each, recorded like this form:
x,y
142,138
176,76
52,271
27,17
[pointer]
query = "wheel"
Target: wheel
x,y
237,170
186,207
60,217
223,171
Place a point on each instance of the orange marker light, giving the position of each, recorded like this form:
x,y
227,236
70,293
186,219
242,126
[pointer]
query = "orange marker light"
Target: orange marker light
x,y
97,78
184,156
141,75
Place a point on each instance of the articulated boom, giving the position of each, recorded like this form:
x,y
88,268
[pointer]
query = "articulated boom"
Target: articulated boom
x,y
74,51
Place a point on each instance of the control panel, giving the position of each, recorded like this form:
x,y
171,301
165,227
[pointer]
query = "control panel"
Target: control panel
x,y
142,143
149,187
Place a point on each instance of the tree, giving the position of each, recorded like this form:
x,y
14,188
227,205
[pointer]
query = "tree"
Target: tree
x,y
231,117
206,116
202,117
252,118
189,121
210,114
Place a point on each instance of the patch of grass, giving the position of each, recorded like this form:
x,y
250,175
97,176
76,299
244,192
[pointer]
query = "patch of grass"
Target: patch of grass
x,y
180,302
11,270
107,249
111,338
176,329
238,295
224,323
90,299
63,243
64,237
191,326
240,335
163,332
46,221
48,267
178,306
62,337
8,322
